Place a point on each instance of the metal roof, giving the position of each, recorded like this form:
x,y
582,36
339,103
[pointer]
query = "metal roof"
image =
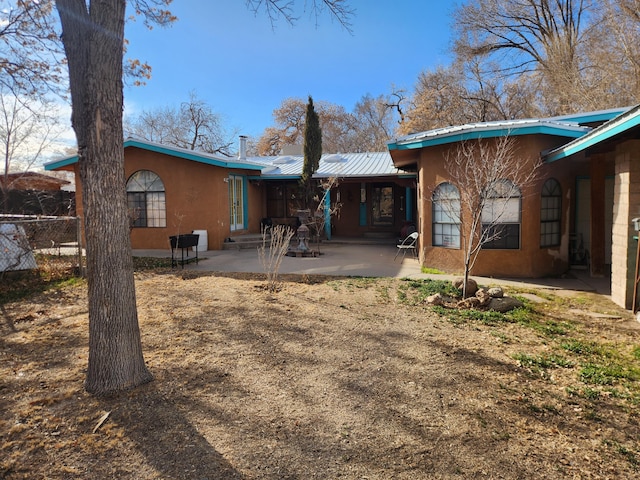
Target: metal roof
x,y
592,117
618,125
441,136
368,164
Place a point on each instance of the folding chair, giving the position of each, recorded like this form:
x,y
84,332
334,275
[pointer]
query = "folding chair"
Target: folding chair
x,y
408,243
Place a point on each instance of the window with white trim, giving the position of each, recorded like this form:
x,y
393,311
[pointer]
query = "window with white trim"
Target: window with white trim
x,y
445,203
146,200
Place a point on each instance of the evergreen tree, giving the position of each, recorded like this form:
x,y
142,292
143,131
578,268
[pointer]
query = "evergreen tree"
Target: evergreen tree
x,y
312,149
312,142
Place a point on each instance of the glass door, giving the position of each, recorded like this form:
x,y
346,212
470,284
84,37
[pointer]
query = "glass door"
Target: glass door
x,y
236,202
382,205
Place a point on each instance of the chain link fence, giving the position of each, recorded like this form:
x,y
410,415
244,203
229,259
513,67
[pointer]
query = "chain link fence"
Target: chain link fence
x,y
32,242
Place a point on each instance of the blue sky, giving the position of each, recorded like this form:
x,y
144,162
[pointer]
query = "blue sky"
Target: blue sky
x,y
244,68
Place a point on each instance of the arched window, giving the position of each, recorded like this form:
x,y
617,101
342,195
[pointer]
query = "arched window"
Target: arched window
x,y
146,200
446,216
550,213
501,216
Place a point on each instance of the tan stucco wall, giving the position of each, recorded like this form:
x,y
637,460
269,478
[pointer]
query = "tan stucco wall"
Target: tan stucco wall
x,y
197,198
530,260
626,207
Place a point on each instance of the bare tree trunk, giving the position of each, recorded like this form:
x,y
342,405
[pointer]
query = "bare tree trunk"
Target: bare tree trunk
x,y
93,40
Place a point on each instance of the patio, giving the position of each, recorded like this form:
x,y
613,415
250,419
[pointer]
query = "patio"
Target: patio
x,y
366,260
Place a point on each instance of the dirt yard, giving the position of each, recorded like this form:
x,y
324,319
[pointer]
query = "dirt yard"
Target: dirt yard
x,y
327,378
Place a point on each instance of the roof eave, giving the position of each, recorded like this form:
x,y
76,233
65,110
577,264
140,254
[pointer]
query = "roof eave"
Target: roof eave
x,y
540,129
190,155
61,163
604,132
174,152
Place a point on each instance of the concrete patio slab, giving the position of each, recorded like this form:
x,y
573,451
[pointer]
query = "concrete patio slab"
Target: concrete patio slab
x,y
368,260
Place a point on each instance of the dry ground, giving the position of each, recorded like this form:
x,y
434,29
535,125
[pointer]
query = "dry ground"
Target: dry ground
x,y
327,378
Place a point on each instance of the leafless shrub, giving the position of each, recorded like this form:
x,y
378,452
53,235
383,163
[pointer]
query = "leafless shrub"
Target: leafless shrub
x,y
272,251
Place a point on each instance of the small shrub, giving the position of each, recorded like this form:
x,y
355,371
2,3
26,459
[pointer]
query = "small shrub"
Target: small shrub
x,y
272,252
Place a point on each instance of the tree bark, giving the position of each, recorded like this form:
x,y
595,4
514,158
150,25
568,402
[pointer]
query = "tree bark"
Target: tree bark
x,y
93,37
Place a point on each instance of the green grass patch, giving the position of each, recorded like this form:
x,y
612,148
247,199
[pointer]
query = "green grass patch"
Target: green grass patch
x,y
432,271
415,292
521,315
580,347
461,316
587,393
540,324
609,374
429,287
543,361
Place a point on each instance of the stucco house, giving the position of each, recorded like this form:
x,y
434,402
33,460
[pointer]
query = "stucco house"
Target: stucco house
x,y
579,210
173,190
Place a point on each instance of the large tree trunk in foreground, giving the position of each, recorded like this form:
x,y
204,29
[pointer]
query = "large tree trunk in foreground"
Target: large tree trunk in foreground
x,y
93,38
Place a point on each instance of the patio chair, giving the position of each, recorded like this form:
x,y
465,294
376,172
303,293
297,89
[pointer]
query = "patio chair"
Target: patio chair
x,y
409,243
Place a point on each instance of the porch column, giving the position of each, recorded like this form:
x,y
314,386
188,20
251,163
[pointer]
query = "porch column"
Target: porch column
x,y
327,214
626,207
597,233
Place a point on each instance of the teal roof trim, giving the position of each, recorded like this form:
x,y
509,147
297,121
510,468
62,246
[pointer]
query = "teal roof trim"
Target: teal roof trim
x,y
592,117
172,151
190,155
471,134
606,131
63,162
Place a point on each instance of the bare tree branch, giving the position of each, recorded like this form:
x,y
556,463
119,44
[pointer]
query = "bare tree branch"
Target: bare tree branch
x,y
285,9
488,174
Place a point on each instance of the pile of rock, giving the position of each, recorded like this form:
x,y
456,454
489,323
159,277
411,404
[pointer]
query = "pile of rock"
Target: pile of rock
x,y
480,298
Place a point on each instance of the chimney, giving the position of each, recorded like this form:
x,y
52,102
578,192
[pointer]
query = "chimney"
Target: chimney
x,y
242,153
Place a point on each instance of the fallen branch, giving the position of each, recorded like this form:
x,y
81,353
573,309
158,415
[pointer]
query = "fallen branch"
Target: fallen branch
x,y
103,419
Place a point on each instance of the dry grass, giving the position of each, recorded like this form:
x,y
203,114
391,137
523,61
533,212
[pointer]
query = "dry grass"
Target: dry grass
x,y
327,378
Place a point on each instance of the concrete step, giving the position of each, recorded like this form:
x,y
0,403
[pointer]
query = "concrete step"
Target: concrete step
x,y
243,242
